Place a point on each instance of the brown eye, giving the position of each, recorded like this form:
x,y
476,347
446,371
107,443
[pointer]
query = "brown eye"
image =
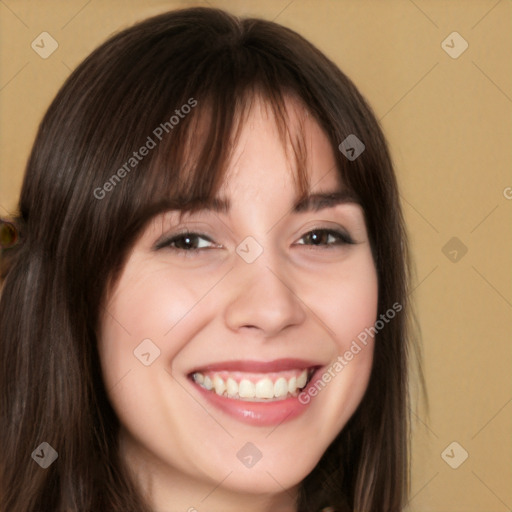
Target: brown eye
x,y
187,242
319,237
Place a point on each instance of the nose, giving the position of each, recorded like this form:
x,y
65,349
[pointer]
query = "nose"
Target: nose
x,y
263,296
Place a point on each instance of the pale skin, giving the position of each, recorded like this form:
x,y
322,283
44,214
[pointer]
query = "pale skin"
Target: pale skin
x,y
296,300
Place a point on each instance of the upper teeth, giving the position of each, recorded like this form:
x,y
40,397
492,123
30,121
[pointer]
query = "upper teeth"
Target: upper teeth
x,y
251,388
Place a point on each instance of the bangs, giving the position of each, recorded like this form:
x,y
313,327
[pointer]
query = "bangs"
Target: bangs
x,y
190,164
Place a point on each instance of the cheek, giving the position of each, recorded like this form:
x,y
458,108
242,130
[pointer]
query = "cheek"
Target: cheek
x,y
347,307
345,299
148,305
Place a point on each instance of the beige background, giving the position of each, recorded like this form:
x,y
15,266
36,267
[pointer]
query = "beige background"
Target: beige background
x,y
448,123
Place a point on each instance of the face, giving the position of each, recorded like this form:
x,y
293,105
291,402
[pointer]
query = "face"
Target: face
x,y
229,353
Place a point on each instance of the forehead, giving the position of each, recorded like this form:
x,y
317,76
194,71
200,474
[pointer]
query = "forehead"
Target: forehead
x,y
264,165
276,145
267,148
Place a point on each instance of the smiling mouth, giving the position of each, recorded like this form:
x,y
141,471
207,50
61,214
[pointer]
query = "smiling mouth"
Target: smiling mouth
x,y
255,387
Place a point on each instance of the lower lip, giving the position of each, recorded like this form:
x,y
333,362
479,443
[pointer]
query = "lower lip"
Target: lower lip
x,y
258,413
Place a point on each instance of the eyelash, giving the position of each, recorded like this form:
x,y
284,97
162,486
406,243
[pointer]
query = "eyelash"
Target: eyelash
x,y
343,239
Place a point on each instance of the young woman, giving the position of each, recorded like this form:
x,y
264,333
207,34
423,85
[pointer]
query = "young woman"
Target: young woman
x,y
206,308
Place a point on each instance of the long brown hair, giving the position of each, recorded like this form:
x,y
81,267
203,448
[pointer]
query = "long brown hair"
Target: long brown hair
x,y
79,214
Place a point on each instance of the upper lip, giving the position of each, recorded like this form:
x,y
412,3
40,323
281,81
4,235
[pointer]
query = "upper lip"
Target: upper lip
x,y
246,365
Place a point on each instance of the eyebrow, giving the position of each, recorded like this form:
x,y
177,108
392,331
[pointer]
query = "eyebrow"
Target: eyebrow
x,y
310,203
324,200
